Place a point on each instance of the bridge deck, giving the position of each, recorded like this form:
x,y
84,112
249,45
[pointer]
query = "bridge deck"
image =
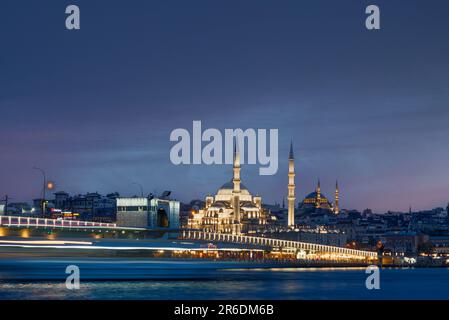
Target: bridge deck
x,y
30,222
273,243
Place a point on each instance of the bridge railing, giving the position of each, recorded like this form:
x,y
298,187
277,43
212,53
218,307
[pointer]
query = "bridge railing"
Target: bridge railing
x,y
14,221
272,242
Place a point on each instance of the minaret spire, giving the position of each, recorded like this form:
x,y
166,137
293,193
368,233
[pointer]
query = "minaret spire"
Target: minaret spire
x,y
291,188
318,195
290,155
236,190
236,168
337,198
236,155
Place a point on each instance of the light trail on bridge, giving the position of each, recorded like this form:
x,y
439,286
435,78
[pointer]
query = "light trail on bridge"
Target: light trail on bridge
x,y
44,242
30,222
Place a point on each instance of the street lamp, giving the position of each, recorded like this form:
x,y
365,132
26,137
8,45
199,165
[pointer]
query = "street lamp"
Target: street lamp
x,y
141,188
43,189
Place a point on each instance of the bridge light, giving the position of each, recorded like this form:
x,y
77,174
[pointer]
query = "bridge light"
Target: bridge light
x,y
25,233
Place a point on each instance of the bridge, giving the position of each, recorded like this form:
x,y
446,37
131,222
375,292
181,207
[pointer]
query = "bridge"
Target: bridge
x,y
312,250
303,249
30,222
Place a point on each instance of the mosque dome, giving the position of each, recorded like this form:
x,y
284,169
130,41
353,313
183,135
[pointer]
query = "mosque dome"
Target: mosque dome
x,y
314,195
229,186
312,198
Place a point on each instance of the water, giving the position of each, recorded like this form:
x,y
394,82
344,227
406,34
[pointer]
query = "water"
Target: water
x,y
186,280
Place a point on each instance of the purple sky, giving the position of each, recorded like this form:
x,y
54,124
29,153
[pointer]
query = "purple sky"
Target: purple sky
x,y
95,107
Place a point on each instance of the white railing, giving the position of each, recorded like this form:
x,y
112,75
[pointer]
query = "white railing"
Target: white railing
x,y
14,221
272,242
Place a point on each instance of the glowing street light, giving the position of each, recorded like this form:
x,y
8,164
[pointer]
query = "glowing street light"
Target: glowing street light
x,y
50,185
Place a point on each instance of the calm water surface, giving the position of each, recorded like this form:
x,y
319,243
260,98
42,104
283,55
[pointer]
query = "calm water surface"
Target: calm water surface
x,y
212,283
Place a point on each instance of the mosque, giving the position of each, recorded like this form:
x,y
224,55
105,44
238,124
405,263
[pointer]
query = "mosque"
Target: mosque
x,y
316,201
235,210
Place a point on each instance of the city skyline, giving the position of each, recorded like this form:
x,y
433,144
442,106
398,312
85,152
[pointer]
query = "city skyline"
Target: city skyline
x,y
140,190
95,108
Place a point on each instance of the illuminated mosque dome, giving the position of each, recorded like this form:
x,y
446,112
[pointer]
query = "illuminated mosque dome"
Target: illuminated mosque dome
x,y
317,201
312,199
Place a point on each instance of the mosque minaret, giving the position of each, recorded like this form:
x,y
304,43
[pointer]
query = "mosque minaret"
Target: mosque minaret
x,y
318,195
291,188
337,198
236,191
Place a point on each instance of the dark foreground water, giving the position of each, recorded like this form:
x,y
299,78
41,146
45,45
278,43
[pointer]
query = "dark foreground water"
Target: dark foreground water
x,y
212,281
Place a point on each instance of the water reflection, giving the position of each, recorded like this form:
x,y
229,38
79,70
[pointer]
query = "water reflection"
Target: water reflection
x,y
158,281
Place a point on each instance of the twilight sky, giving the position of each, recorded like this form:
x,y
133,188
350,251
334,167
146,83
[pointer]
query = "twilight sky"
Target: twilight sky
x,y
95,107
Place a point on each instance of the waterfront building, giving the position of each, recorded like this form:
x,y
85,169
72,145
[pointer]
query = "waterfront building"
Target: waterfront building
x,y
440,244
188,209
348,227
277,215
403,243
19,208
37,205
91,206
429,221
146,212
61,200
